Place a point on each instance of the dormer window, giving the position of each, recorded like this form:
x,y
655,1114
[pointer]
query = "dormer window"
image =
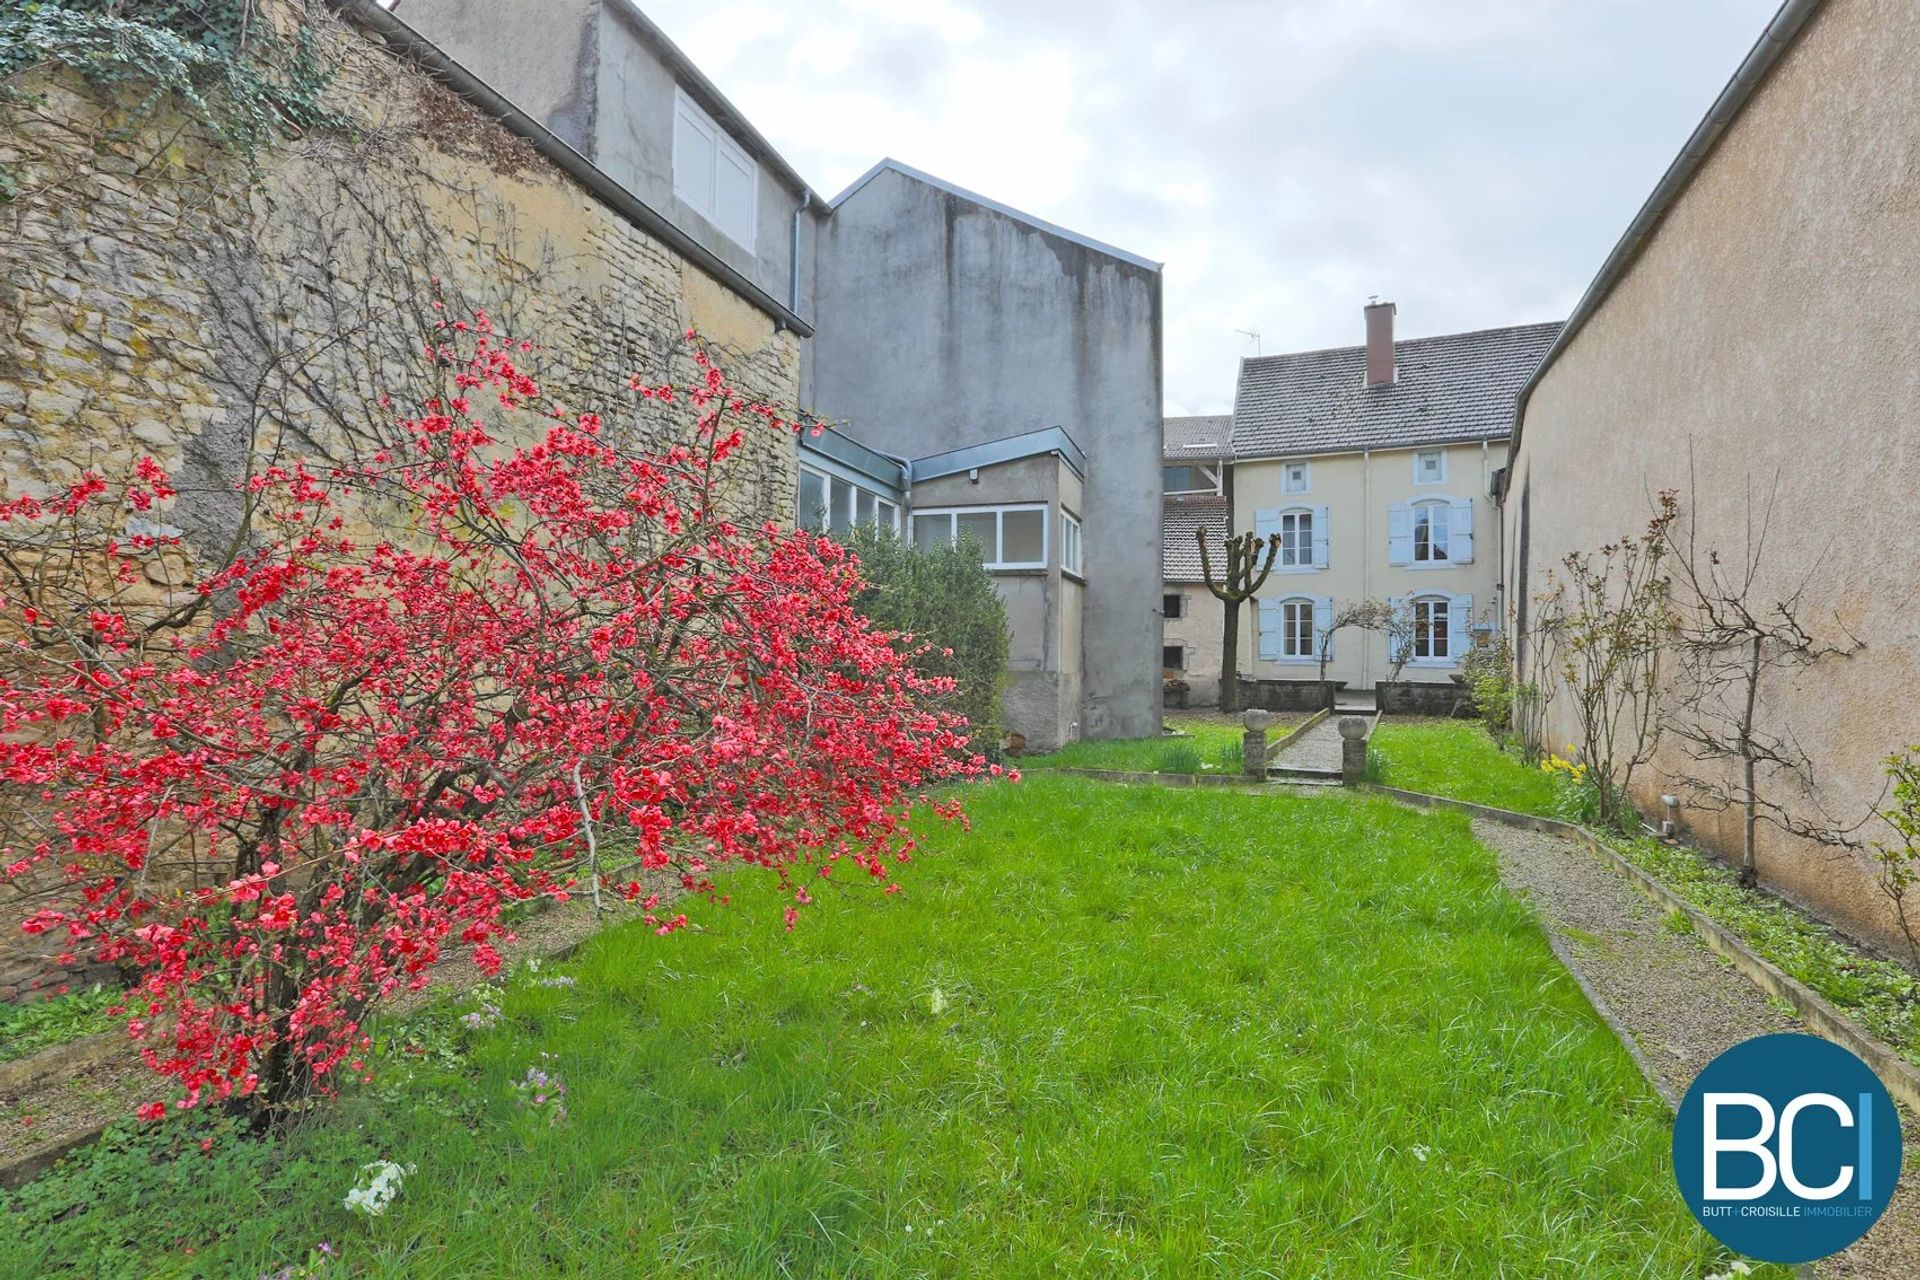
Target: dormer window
x,y
712,175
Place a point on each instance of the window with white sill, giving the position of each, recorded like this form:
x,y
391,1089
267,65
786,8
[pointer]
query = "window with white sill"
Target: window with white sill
x,y
712,175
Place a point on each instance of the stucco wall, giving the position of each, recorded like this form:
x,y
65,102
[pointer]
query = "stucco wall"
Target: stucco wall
x,y
943,323
1772,328
1358,491
1044,606
1199,630
155,303
586,71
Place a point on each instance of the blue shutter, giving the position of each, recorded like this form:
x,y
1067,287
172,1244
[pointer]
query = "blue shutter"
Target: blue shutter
x,y
1266,523
1321,530
1269,617
1400,533
1322,623
1459,619
1460,532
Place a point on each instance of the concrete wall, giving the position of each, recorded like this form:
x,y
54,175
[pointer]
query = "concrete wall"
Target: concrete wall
x,y
944,323
585,69
1772,327
1044,606
1198,630
1358,491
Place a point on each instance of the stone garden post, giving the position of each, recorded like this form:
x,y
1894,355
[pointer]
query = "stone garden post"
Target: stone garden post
x,y
1253,746
1353,749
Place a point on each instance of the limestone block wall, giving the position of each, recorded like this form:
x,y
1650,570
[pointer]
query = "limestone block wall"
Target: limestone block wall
x,y
160,296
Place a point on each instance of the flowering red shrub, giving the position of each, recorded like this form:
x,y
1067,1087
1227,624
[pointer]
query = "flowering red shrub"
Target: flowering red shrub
x,y
276,795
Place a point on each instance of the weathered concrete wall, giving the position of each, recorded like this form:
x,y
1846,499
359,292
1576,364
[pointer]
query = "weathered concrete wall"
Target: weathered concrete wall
x,y
1772,328
586,70
945,323
155,302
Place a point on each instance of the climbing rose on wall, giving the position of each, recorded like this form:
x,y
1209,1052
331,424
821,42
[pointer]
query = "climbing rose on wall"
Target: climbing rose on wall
x,y
276,795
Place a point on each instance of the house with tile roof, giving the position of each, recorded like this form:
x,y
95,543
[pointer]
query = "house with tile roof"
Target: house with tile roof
x,y
1196,483
1375,465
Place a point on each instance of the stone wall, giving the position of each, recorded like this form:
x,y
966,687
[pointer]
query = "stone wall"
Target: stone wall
x,y
159,296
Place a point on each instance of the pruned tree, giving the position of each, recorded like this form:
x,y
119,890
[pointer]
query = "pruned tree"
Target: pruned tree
x,y
1242,575
1736,639
1604,622
1399,626
1898,861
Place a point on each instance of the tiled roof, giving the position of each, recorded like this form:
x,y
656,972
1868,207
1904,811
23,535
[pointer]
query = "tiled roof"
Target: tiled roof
x,y
1205,436
1457,387
1179,549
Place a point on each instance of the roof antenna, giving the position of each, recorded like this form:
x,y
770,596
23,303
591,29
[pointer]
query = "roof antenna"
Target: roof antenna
x,y
1251,333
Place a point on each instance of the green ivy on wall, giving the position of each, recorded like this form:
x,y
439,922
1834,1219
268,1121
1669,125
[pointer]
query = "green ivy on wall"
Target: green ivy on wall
x,y
220,61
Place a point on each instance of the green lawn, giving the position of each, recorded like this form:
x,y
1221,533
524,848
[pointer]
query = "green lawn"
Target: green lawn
x,y
1459,759
1211,745
1112,1031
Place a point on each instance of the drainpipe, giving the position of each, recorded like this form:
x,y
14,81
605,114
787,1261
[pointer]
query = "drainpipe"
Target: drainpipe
x,y
1366,556
793,300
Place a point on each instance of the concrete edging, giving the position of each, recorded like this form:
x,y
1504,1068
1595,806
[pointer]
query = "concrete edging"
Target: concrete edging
x,y
1901,1077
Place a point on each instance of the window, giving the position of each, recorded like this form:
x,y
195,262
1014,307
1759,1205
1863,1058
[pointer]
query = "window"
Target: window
x,y
1296,628
1173,607
1430,466
712,174
829,504
1009,537
1069,543
1294,478
1430,525
1173,657
1189,480
1296,539
1431,628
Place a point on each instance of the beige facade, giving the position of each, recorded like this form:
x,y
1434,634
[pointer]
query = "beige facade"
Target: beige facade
x,y
1413,527
1194,625
1769,329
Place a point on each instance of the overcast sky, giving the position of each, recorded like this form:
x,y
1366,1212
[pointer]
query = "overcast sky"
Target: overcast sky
x,y
1472,160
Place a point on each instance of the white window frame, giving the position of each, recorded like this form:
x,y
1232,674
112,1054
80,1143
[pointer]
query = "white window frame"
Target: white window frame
x,y
1287,633
1423,454
1287,483
828,480
999,530
706,203
1439,513
1443,606
1072,553
1302,543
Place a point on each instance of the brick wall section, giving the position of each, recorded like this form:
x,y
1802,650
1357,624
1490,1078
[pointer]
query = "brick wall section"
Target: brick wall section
x,y
156,298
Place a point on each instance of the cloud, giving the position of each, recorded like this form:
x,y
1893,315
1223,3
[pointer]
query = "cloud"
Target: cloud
x,y
1473,160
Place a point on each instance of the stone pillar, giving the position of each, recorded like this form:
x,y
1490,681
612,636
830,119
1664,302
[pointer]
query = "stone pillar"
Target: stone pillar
x,y
1353,749
1253,746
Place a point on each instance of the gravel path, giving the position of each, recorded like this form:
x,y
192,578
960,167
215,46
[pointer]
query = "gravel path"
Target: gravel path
x,y
1317,749
1677,1003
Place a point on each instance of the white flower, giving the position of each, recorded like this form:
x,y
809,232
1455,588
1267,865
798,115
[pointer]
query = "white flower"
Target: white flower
x,y
373,1198
939,1002
1421,1153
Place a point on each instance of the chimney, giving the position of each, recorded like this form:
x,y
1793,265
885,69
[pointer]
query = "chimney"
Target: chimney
x,y
1379,344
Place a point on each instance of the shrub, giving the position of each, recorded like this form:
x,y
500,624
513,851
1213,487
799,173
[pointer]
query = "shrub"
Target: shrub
x,y
1488,668
1180,757
276,796
944,601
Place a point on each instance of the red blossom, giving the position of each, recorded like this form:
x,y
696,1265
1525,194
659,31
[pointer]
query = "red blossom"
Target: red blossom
x,y
379,744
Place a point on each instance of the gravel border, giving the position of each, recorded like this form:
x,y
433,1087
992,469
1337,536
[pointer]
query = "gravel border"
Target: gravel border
x,y
1675,1004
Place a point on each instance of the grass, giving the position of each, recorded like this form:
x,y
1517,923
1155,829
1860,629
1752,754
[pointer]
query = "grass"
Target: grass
x,y
1211,744
1111,1031
36,1024
1459,759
